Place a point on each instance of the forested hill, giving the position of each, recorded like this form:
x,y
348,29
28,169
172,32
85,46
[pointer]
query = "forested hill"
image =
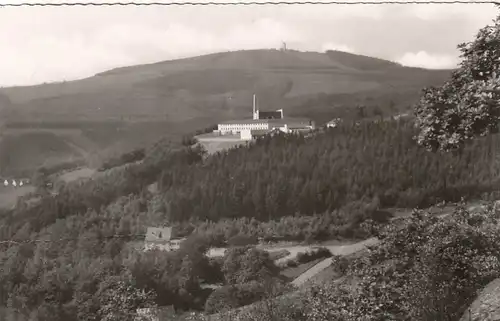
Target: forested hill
x,y
288,174
283,175
343,176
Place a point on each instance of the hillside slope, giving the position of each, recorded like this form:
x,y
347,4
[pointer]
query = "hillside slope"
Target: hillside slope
x,y
183,95
214,85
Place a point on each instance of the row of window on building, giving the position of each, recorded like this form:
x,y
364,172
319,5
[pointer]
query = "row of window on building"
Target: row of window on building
x,y
236,128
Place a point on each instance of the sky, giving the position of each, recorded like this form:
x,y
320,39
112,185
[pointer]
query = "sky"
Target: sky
x,y
51,44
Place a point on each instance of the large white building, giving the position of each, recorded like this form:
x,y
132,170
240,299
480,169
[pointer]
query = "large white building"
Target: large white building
x,y
263,122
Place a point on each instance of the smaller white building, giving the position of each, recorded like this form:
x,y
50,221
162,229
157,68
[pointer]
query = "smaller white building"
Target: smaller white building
x,y
333,123
246,134
161,238
155,314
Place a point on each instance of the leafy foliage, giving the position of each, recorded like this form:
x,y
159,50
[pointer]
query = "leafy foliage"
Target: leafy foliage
x,y
319,253
246,264
468,105
119,301
130,157
428,269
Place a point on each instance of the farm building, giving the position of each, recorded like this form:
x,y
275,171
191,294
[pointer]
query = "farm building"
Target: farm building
x,y
161,238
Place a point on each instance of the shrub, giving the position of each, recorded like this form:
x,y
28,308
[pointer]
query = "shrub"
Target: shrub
x,y
221,299
276,255
340,264
242,240
245,264
318,253
234,296
427,269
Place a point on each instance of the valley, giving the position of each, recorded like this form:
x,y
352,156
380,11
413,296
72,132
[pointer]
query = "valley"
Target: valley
x,y
116,111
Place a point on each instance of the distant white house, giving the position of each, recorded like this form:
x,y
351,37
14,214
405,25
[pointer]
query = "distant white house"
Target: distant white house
x,y
14,182
155,314
333,123
161,238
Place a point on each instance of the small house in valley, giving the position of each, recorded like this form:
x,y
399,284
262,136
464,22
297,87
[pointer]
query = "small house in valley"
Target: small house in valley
x,y
164,313
161,238
334,123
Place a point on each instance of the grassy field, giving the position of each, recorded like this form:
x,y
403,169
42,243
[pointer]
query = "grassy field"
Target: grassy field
x,y
27,145
217,86
21,151
76,174
9,196
214,146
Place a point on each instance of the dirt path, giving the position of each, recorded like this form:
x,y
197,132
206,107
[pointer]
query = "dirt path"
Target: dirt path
x,y
343,249
350,249
307,275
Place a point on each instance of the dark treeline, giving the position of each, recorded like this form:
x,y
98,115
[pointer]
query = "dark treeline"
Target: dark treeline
x,y
289,174
96,193
130,157
188,140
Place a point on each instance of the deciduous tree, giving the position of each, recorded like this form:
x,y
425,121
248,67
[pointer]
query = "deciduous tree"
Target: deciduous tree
x,y
468,105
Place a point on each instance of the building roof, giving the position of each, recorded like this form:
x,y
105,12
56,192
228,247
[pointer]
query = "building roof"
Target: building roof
x,y
158,234
269,115
244,121
335,121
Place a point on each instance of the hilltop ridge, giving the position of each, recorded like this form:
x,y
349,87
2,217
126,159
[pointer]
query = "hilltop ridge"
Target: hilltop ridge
x,y
199,85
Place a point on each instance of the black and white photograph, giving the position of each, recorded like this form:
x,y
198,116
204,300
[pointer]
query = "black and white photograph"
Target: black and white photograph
x,y
249,160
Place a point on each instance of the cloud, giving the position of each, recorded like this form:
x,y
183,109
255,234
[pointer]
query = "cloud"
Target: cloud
x,y
423,59
478,12
57,57
54,44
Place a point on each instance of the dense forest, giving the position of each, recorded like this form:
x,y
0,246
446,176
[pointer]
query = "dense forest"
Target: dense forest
x,y
288,174
286,187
